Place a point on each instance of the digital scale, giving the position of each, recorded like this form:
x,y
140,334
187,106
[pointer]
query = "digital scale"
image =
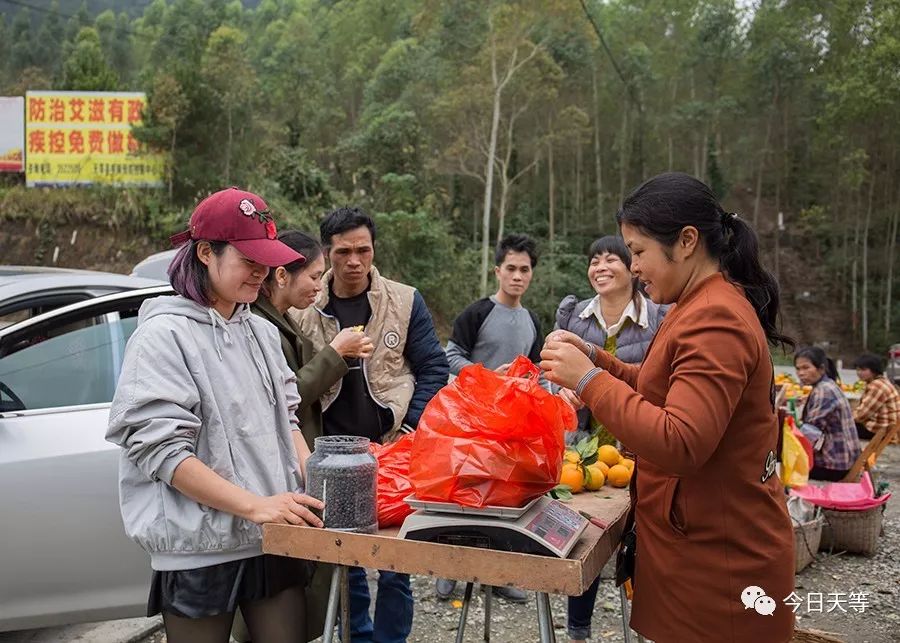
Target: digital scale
x,y
544,526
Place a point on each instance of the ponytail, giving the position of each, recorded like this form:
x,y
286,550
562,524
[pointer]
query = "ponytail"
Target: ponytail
x,y
664,205
740,263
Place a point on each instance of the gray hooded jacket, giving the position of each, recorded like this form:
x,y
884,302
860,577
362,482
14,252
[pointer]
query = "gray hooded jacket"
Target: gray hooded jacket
x,y
196,384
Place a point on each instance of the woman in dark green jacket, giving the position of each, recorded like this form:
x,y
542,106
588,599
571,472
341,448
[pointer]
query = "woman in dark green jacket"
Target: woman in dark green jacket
x,y
296,285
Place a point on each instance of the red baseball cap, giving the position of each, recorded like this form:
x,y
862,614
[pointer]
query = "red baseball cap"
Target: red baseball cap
x,y
243,220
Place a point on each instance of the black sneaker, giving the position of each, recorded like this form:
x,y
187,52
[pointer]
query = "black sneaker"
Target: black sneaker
x,y
510,594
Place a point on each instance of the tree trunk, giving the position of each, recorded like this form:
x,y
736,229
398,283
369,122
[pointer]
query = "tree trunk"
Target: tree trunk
x,y
865,265
623,154
669,141
566,206
892,254
489,178
695,146
501,209
762,160
777,232
228,148
854,272
579,160
171,170
551,209
704,153
598,167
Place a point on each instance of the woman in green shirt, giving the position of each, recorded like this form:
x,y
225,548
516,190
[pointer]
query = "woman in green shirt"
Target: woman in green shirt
x,y
296,285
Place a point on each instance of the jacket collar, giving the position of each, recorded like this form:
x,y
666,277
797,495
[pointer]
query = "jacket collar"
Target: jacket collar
x,y
376,285
641,319
282,322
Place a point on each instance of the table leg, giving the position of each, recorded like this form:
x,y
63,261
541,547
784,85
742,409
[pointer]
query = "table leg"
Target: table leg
x,y
467,599
331,610
623,599
545,618
488,592
345,604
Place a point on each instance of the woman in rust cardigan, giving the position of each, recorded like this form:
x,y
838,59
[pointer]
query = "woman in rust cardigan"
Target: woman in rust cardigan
x,y
714,551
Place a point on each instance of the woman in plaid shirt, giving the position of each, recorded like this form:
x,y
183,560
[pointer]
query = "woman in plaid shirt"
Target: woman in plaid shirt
x,y
879,408
827,418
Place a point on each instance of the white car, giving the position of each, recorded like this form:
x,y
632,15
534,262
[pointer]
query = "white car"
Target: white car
x,y
64,555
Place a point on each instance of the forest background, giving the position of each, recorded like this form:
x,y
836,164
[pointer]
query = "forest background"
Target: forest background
x,y
455,122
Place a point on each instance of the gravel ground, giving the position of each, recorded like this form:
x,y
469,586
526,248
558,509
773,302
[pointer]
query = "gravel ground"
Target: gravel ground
x,y
877,577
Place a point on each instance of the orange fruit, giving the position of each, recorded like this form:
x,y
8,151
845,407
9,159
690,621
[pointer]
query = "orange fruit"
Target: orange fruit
x,y
602,466
573,476
628,463
594,476
619,475
608,454
571,455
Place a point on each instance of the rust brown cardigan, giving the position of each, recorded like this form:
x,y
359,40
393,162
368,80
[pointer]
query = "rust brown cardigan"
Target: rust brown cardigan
x,y
711,515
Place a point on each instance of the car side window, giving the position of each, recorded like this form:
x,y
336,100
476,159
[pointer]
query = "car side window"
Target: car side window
x,y
72,361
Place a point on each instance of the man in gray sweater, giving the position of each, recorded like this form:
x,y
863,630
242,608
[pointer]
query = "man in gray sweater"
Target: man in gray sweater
x,y
494,331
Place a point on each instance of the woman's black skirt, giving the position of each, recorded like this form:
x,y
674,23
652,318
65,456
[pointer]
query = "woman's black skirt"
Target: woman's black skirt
x,y
207,591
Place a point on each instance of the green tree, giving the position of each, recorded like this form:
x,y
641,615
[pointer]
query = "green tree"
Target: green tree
x,y
232,80
86,67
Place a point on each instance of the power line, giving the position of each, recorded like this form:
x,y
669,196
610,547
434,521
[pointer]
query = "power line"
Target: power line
x,y
609,54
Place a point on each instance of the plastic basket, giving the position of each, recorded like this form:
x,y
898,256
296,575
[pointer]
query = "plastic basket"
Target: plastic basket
x,y
852,531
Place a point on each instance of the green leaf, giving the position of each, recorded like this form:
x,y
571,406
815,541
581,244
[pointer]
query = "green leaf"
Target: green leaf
x,y
562,492
587,447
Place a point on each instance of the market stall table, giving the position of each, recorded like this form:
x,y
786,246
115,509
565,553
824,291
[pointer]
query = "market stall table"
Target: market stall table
x,y
544,575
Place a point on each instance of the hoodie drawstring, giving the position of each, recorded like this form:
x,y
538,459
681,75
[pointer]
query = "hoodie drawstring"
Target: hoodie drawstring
x,y
256,352
212,319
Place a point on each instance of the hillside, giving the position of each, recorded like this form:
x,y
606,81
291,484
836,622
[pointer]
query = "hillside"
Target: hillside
x,y
812,311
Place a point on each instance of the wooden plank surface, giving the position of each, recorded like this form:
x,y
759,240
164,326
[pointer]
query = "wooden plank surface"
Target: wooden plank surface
x,y
572,575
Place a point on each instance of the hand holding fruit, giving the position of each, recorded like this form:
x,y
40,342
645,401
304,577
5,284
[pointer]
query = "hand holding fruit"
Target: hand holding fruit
x,y
568,337
352,343
563,363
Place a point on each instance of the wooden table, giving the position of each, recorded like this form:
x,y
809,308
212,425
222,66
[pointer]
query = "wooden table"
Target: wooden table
x,y
541,574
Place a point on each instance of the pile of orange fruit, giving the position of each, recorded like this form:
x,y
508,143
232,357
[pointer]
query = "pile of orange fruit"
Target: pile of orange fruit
x,y
587,467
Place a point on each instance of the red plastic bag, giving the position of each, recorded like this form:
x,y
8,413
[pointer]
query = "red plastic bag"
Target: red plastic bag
x,y
393,480
488,439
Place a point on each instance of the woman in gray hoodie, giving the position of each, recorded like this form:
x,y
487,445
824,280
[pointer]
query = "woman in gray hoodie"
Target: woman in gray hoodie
x,y
205,414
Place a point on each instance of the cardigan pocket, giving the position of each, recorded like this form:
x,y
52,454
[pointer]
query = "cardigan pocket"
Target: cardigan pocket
x,y
674,512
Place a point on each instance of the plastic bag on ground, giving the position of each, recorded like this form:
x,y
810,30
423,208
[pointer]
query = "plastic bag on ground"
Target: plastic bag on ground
x,y
393,480
489,439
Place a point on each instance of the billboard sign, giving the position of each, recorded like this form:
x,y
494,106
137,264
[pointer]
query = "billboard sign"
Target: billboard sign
x,y
85,138
12,134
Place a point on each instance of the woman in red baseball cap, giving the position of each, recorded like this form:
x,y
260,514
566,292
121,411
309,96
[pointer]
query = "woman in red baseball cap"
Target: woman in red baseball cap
x,y
205,411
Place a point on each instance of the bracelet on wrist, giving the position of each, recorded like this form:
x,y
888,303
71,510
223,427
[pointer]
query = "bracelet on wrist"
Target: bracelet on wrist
x,y
583,382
